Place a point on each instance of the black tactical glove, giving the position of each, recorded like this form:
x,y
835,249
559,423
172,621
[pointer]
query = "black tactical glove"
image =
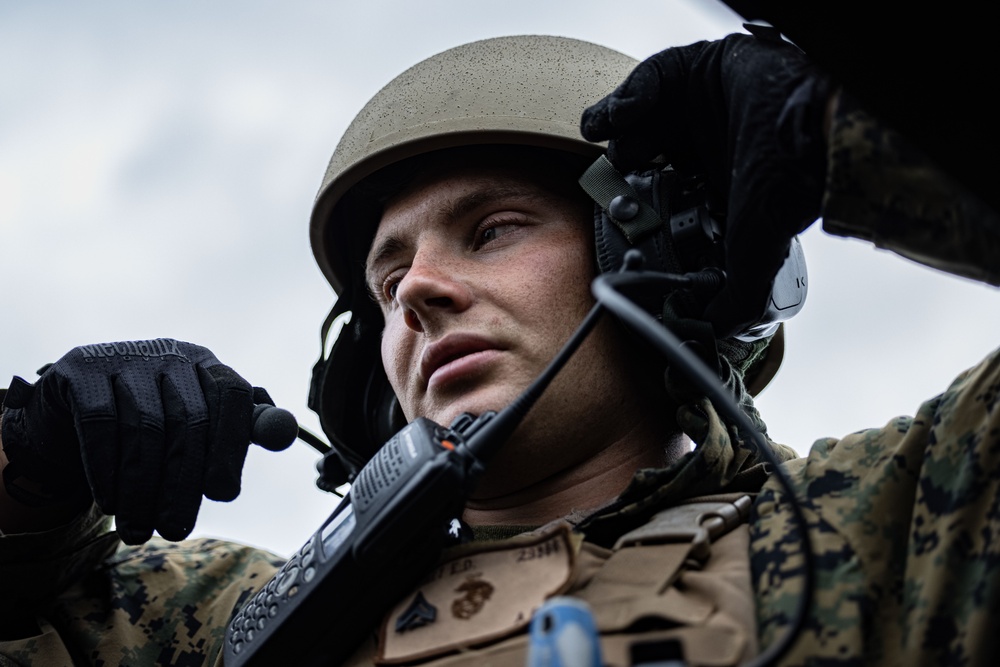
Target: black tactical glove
x,y
747,113
145,428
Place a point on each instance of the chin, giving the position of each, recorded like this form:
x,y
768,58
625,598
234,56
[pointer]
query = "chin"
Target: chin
x,y
475,402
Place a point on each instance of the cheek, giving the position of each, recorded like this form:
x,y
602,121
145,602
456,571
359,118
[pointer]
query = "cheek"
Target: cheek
x,y
568,280
395,357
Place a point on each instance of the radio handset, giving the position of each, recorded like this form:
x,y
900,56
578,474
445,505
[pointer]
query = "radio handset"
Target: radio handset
x,y
386,533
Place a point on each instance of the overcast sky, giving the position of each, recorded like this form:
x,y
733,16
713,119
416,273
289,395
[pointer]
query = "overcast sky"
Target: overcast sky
x,y
158,163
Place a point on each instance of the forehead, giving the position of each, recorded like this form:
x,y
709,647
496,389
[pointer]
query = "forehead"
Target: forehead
x,y
458,192
446,196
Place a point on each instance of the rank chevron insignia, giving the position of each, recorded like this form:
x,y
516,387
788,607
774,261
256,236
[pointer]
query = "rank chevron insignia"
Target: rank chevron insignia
x,y
418,614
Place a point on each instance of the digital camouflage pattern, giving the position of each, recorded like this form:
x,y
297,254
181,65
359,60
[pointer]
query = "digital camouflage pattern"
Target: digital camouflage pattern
x,y
161,603
905,523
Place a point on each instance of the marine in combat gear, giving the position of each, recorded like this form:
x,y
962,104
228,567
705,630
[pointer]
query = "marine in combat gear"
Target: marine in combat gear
x,y
902,515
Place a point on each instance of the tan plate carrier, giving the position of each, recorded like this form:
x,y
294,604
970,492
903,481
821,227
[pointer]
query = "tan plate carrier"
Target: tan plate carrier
x,y
676,588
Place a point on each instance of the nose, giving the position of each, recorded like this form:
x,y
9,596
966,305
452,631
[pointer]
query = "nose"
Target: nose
x,y
429,291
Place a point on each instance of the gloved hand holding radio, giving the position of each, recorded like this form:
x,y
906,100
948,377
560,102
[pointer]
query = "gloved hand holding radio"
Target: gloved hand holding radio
x,y
145,428
747,112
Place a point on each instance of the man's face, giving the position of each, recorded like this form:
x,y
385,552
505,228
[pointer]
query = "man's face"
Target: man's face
x,y
482,276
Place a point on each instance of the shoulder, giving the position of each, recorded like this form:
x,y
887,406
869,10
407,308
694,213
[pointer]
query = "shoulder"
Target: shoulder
x,y
200,552
201,572
173,597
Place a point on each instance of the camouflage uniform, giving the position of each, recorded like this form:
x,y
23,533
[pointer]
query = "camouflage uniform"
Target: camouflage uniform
x,y
904,519
76,596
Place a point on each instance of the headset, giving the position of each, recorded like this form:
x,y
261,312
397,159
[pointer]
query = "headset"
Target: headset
x,y
659,213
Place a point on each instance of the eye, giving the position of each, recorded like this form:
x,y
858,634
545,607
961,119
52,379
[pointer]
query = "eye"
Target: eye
x,y
382,290
390,286
493,230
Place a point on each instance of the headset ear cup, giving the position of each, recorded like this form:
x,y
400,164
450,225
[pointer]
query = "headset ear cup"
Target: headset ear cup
x,y
609,243
349,385
357,422
687,239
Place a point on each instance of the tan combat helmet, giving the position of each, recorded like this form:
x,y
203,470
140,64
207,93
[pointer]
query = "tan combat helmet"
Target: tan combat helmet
x,y
526,90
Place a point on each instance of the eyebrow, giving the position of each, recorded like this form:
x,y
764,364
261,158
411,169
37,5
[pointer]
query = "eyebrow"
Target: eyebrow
x,y
388,247
393,244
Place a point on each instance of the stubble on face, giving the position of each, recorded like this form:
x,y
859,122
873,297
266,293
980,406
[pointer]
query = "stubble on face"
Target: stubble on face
x,y
521,296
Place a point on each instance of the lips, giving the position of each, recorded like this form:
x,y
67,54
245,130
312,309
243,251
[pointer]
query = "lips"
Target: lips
x,y
451,348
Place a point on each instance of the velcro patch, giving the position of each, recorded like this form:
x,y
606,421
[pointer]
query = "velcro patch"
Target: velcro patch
x,y
477,597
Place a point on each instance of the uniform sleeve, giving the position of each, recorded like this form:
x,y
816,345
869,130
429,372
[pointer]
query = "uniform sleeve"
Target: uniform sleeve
x,y
37,567
904,522
881,189
159,603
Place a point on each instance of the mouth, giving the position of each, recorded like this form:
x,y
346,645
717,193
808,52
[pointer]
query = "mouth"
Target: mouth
x,y
455,356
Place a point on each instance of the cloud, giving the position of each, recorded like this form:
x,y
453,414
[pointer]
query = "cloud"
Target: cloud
x,y
159,165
